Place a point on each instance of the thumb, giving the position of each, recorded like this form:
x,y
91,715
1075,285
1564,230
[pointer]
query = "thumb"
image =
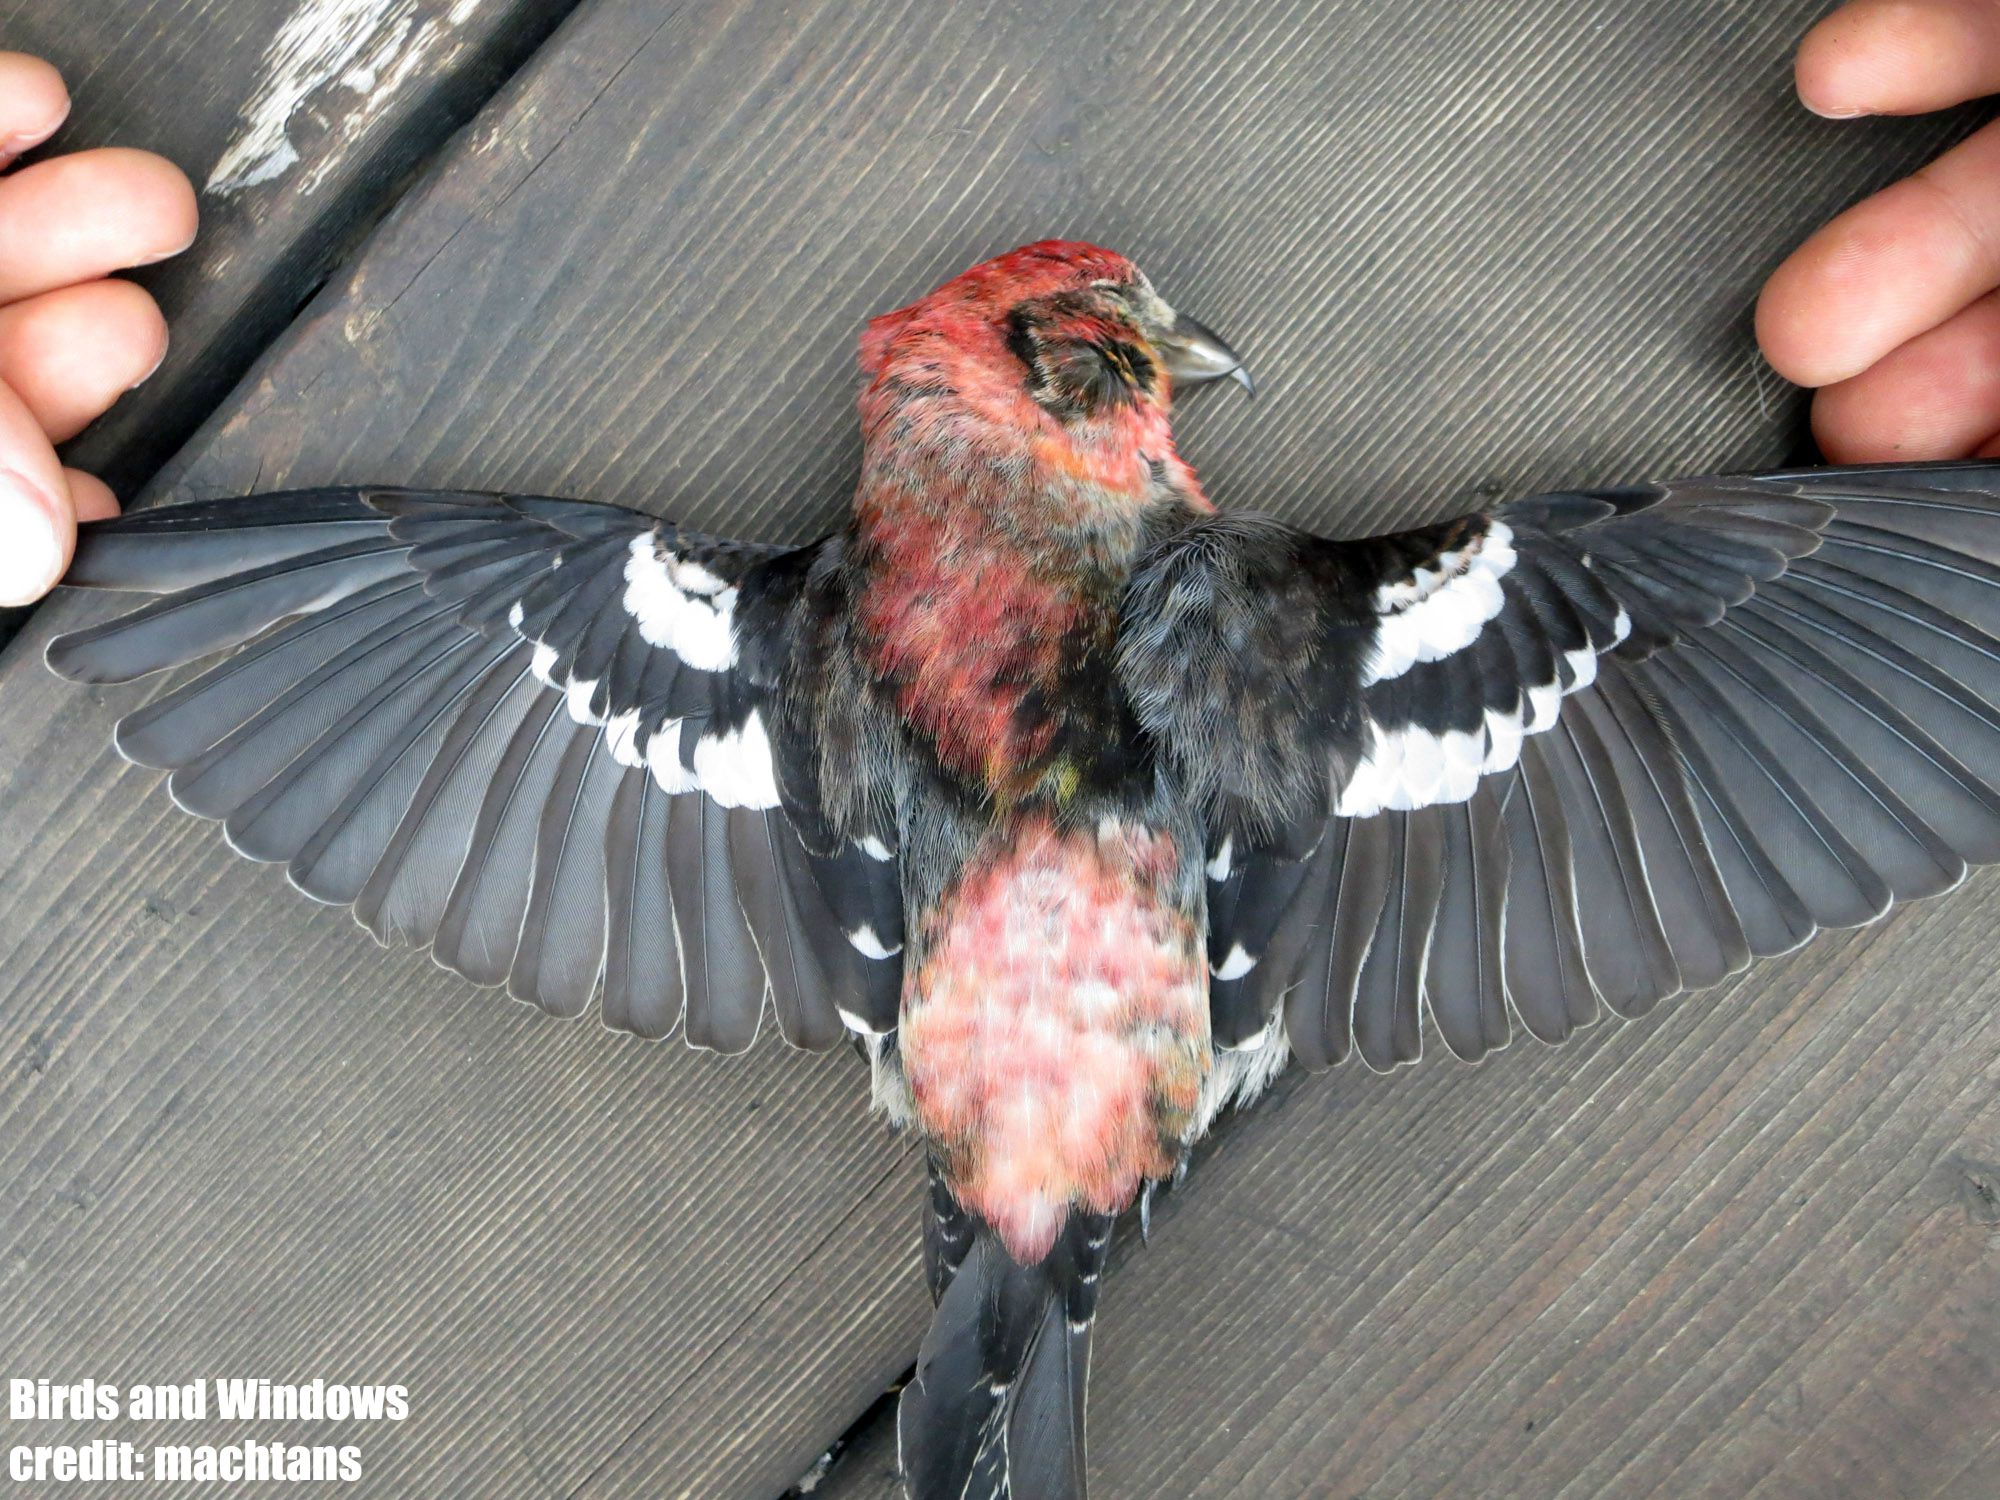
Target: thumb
x,y
37,516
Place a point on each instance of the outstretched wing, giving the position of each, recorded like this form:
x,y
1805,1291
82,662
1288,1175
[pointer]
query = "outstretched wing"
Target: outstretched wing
x,y
566,746
1586,749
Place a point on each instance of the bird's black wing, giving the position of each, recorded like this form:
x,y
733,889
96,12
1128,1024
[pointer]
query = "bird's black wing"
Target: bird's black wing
x,y
1586,748
570,748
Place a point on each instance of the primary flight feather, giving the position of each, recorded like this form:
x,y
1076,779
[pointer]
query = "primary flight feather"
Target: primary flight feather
x,y
1078,806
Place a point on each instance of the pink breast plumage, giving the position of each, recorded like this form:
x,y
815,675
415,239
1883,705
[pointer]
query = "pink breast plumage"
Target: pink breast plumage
x,y
1055,1034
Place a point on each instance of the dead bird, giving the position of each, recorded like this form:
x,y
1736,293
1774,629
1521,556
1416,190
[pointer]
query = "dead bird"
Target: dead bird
x,y
1076,805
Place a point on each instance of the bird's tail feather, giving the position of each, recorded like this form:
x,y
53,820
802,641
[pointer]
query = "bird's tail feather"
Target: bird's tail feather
x,y
995,1410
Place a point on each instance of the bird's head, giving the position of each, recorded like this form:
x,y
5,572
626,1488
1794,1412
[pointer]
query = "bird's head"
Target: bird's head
x,y
1059,338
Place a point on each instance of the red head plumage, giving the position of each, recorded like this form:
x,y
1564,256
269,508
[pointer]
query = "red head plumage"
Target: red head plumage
x,y
1060,352
994,287
1016,427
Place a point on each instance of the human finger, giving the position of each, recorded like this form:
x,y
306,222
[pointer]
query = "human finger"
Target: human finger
x,y
76,218
70,353
91,496
1900,57
1937,396
37,521
33,103
1887,269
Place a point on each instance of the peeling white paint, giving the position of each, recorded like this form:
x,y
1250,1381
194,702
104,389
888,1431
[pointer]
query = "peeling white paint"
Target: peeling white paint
x,y
367,47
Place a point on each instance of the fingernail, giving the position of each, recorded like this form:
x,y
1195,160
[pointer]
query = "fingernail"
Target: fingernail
x,y
1830,113
181,248
26,140
30,554
152,369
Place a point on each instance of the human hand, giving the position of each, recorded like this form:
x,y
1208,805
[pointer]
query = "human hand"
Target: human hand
x,y
1891,310
71,339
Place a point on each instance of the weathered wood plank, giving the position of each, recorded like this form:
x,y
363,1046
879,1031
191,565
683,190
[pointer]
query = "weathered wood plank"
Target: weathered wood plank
x,y
1494,247
300,122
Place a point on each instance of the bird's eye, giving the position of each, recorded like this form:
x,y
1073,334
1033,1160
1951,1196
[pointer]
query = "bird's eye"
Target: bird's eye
x,y
1095,374
1076,367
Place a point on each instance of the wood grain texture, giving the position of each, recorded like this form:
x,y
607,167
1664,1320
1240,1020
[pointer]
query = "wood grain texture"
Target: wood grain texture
x,y
357,93
1492,248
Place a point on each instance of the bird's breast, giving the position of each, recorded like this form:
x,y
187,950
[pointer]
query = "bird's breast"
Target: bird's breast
x,y
969,638
1055,1032
990,619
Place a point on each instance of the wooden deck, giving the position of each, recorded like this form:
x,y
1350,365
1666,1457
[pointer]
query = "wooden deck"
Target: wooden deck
x,y
1749,1248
